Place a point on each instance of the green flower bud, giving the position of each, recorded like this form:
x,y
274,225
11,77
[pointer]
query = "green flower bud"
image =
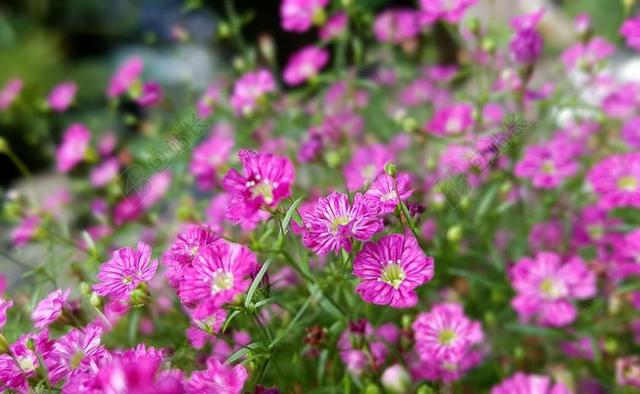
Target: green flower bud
x,y
454,233
85,289
4,145
96,300
489,45
372,389
4,345
424,389
391,169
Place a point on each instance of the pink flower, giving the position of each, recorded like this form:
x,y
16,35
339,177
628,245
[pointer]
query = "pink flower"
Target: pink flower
x,y
299,15
631,132
125,76
366,164
4,306
104,173
208,100
72,150
547,165
450,11
107,144
387,192
390,269
217,378
526,43
334,27
127,269
250,89
62,96
445,334
547,235
617,180
76,352
587,55
26,230
545,288
628,371
396,25
50,308
305,64
128,209
219,272
521,383
335,223
582,23
151,94
362,348
266,180
9,92
183,251
630,30
155,188
453,119
209,156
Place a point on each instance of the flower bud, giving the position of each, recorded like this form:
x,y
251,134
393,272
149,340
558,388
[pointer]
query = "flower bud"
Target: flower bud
x,y
424,389
96,300
85,288
454,233
4,146
4,345
372,389
396,379
391,169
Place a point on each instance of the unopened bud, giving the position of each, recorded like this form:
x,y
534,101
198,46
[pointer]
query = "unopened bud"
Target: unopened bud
x,y
372,389
488,45
85,288
4,345
454,234
391,169
396,379
96,300
4,146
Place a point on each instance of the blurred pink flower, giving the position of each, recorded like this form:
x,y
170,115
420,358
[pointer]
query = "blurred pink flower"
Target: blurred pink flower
x,y
62,96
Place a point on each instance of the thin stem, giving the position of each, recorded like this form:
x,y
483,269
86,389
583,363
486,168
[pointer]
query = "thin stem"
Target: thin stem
x,y
18,163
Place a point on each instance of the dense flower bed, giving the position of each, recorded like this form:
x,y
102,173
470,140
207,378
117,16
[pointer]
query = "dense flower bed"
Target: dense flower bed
x,y
366,219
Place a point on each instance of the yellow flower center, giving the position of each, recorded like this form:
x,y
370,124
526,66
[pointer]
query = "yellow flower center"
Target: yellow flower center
x,y
393,274
446,337
338,221
221,281
76,359
628,183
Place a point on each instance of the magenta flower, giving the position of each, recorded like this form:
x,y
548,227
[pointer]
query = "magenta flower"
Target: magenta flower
x,y
630,30
445,334
521,383
391,269
387,192
104,173
26,230
217,378
266,180
76,352
453,119
183,251
10,92
628,371
587,55
450,11
249,91
208,157
72,150
545,288
526,43
362,348
396,25
4,306
334,27
125,76
366,164
335,223
127,269
547,165
151,94
209,99
300,15
631,132
128,209
62,96
617,180
305,64
219,272
50,308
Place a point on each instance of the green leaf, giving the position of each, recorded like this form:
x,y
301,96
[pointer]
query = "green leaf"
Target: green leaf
x,y
229,318
289,214
256,282
238,354
485,202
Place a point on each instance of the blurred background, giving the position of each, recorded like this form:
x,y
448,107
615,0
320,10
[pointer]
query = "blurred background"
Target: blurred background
x,y
45,42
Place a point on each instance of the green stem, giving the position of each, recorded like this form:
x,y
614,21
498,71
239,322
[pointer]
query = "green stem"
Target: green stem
x,y
18,163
